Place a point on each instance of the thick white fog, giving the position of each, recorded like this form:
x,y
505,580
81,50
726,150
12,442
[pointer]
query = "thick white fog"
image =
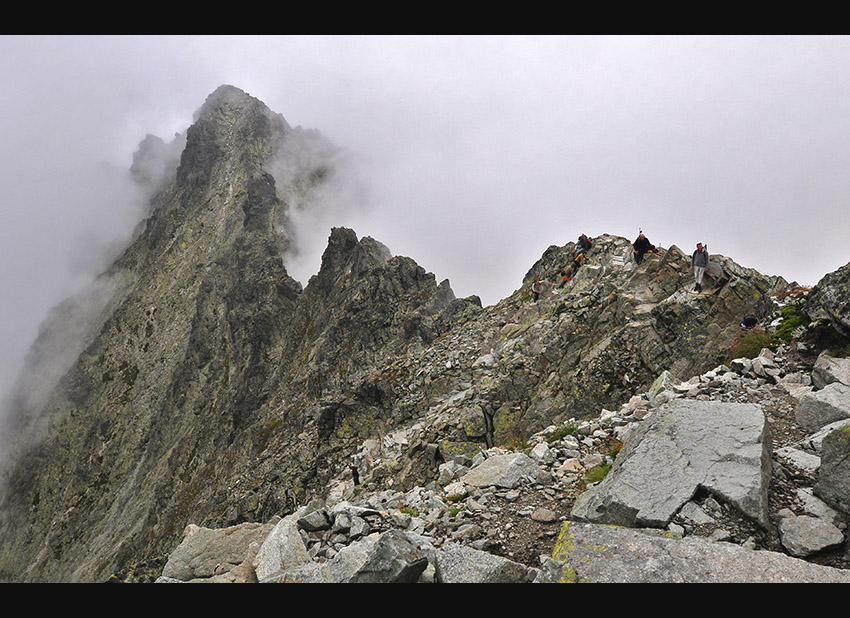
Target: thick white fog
x,y
474,154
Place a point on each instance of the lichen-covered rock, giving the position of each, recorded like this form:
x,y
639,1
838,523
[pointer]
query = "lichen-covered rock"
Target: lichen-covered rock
x,y
589,553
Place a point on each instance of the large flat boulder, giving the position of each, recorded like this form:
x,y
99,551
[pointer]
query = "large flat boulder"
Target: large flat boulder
x,y
218,555
504,471
458,564
686,445
610,554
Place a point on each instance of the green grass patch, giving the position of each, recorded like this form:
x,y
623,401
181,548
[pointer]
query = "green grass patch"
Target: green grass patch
x,y
568,430
594,475
792,319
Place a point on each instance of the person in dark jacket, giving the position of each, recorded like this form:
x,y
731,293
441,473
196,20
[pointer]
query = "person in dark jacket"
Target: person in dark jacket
x,y
641,247
699,264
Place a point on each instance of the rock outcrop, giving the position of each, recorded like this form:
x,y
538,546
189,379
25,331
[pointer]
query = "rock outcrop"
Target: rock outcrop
x,y
830,300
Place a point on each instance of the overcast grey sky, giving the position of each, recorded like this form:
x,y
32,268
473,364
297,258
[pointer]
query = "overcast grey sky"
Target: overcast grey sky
x,y
479,152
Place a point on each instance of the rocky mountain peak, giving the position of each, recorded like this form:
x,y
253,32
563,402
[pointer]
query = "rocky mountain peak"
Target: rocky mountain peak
x,y
207,387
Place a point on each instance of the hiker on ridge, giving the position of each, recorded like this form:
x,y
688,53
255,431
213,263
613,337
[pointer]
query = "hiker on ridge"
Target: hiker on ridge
x,y
699,264
642,246
582,247
536,288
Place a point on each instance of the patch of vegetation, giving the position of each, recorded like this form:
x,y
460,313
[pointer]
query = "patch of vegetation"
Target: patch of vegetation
x,y
748,343
518,444
454,498
792,319
570,429
454,511
594,475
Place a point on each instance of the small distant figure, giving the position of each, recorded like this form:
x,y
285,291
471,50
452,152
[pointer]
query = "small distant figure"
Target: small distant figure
x,y
583,245
699,264
749,321
642,246
536,288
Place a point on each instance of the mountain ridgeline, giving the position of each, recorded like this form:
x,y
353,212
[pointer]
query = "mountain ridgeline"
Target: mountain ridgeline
x,y
197,382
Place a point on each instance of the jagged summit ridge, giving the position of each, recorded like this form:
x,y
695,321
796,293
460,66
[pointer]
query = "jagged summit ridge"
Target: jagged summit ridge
x,y
215,389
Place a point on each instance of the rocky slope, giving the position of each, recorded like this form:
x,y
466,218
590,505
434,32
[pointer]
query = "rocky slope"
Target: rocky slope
x,y
513,515
202,385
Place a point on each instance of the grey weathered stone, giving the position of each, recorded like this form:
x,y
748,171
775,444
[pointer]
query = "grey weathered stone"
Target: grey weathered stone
x,y
359,527
503,471
814,443
693,512
765,367
803,536
799,459
353,510
314,521
814,506
611,554
541,453
282,549
829,369
833,485
458,564
207,554
741,365
657,393
392,557
722,447
819,408
830,299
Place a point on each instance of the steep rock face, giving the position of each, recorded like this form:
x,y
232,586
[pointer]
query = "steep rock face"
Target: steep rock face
x,y
830,300
180,379
204,385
